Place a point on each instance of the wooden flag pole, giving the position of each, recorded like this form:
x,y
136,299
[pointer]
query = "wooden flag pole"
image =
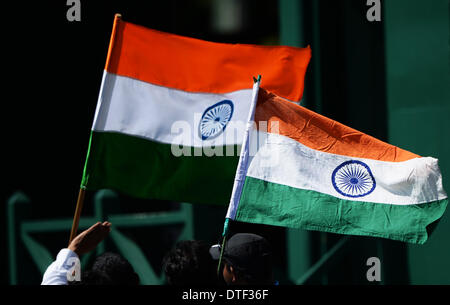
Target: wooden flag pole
x,y
80,201
76,217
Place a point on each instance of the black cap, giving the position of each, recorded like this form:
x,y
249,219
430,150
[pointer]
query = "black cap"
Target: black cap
x,y
244,251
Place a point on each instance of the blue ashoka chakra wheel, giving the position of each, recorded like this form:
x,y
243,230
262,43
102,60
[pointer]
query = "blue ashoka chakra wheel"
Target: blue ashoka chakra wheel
x,y
215,119
353,179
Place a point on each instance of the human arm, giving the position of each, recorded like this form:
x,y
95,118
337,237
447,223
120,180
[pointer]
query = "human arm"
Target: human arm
x,y
86,241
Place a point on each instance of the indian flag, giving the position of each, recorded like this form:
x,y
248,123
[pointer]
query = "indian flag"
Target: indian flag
x,y
172,112
302,170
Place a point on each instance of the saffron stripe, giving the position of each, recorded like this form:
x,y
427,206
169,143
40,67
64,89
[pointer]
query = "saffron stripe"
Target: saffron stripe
x,y
321,133
196,65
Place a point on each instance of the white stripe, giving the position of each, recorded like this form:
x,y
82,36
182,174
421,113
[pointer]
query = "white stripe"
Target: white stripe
x,y
280,159
163,114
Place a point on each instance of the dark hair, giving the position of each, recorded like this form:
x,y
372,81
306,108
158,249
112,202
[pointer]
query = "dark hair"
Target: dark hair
x,y
91,277
109,269
189,263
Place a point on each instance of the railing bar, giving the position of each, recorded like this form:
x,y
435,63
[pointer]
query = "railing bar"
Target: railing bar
x,y
323,261
40,255
39,226
147,220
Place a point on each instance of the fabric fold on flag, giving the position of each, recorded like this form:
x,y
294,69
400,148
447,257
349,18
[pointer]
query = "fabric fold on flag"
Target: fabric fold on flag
x,y
172,110
310,172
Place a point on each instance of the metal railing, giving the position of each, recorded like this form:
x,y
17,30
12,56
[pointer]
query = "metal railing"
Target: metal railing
x,y
22,243
300,267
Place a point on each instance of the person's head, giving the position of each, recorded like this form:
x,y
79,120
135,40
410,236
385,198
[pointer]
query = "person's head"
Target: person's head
x,y
247,259
111,269
189,263
92,277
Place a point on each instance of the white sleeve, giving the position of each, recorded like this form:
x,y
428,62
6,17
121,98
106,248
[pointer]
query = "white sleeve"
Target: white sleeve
x,y
56,273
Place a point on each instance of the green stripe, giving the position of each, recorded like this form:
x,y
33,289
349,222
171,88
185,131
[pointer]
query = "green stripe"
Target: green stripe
x,y
280,205
146,169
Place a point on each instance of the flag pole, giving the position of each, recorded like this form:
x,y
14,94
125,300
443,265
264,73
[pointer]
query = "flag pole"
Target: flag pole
x,y
224,236
240,173
117,19
82,192
76,217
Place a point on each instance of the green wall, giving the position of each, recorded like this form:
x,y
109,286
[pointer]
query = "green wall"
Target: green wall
x,y
418,105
